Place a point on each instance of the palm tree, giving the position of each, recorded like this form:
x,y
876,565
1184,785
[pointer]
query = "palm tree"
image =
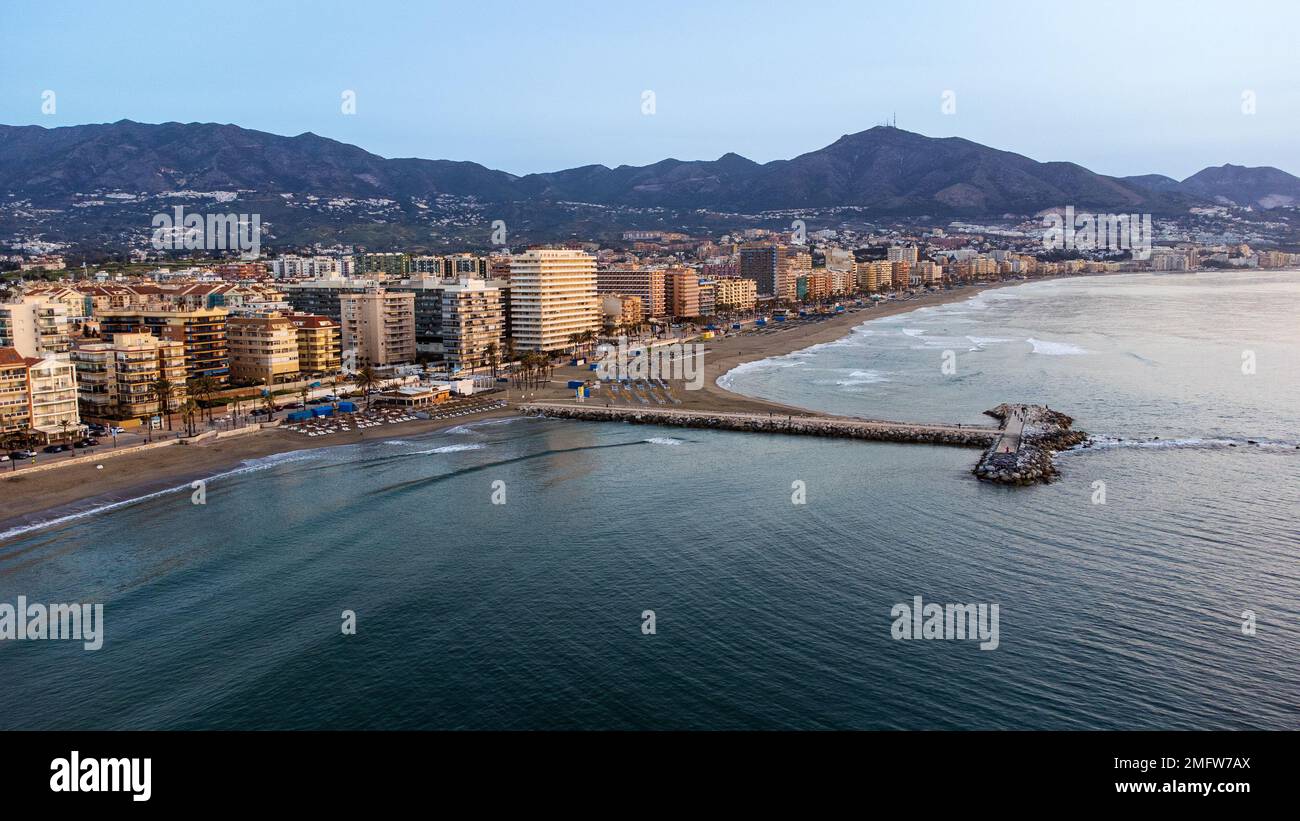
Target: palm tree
x,y
205,388
163,390
492,357
188,411
366,381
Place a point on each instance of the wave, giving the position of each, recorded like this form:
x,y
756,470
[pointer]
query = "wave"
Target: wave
x,y
664,440
1046,348
248,466
856,378
1194,442
982,341
472,427
451,449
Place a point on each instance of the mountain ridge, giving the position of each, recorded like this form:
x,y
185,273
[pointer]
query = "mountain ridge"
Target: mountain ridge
x,y
882,172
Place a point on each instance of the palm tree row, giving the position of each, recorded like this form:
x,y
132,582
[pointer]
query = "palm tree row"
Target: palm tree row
x,y
533,371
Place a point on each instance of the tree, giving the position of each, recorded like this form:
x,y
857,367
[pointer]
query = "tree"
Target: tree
x,y
163,390
205,388
492,357
366,381
188,411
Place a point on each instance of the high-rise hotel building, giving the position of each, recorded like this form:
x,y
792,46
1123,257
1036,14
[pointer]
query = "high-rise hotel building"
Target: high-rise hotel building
x,y
761,263
552,297
378,327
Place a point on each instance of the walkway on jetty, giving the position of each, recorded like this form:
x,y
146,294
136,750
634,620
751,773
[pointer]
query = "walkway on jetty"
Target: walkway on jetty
x,y
774,422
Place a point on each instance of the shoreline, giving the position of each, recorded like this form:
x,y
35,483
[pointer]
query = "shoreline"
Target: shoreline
x,y
47,498
727,357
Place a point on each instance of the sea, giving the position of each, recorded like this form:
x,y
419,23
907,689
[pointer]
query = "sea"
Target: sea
x,y
547,574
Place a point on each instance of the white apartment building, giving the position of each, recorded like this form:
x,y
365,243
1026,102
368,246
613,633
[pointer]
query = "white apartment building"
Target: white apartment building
x,y
53,384
552,297
35,326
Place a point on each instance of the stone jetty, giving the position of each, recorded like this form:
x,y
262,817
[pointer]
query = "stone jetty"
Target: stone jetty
x,y
1029,436
1018,452
758,422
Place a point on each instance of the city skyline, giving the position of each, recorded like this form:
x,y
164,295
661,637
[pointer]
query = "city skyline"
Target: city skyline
x,y
723,80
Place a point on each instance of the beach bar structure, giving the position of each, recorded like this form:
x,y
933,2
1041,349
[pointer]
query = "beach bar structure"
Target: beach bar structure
x,y
415,396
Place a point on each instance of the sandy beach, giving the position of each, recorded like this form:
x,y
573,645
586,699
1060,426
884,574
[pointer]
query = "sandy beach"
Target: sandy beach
x,y
49,495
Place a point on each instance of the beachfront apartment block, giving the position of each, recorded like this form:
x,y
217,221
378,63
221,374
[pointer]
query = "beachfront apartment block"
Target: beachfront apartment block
x,y
874,276
116,379
927,272
647,284
15,391
36,326
377,327
263,349
320,349
795,262
552,298
708,297
201,331
52,382
735,293
473,322
761,262
683,292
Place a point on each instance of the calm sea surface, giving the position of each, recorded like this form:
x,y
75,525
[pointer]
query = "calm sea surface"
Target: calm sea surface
x,y
769,614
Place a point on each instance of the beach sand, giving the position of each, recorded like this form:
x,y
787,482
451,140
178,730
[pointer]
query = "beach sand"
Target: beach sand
x,y
49,495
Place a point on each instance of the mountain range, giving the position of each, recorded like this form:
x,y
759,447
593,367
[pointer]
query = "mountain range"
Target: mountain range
x,y
885,172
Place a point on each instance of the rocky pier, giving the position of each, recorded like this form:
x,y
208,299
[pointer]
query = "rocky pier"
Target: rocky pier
x,y
1029,436
1017,452
974,436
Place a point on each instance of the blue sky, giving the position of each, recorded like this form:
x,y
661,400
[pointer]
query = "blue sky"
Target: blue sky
x,y
1144,86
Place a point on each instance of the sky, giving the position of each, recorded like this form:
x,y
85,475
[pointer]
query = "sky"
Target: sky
x,y
1145,86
